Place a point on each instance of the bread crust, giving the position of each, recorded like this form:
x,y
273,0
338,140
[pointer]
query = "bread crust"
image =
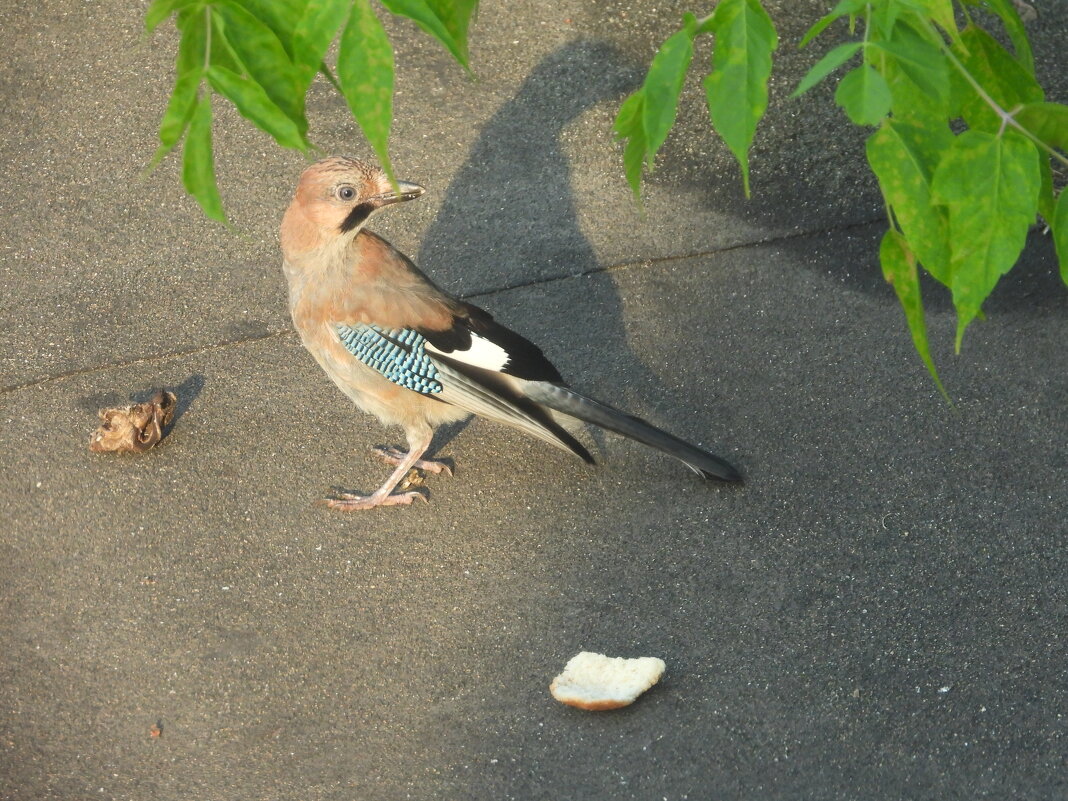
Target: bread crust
x,y
597,683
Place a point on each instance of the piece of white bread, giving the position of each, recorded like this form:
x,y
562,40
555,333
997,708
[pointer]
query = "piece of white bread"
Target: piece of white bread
x,y
596,682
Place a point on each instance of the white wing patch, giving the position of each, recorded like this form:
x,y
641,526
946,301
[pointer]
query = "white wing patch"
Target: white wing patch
x,y
483,353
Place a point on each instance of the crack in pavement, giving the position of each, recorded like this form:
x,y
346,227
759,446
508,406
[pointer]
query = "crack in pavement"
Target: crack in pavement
x,y
618,267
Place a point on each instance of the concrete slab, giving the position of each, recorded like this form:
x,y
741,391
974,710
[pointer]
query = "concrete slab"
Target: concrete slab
x,y
877,613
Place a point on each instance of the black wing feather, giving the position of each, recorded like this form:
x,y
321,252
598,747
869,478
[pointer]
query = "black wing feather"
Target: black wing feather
x,y
525,359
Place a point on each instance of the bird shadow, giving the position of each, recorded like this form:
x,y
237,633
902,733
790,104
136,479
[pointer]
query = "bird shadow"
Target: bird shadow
x,y
508,220
508,216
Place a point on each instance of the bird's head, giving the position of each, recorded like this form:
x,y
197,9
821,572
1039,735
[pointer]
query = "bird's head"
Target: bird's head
x,y
334,199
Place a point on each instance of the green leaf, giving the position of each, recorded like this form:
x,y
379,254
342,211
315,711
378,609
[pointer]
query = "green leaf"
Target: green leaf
x,y
628,125
647,115
629,115
265,60
254,105
365,72
826,65
941,12
737,88
446,24
990,186
908,99
1045,192
1048,122
884,17
313,34
844,8
1014,27
189,70
864,95
161,9
1059,225
198,166
281,16
899,269
924,63
903,157
456,16
662,86
1001,76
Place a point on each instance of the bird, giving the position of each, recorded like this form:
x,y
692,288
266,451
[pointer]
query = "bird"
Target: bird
x,y
414,356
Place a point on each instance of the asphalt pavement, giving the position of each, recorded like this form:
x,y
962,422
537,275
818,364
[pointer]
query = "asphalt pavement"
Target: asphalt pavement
x,y
879,612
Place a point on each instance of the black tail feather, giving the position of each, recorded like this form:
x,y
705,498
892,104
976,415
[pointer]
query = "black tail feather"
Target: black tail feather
x,y
495,397
569,402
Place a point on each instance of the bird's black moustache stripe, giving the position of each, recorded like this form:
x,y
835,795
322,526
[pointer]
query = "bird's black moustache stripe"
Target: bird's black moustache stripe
x,y
357,217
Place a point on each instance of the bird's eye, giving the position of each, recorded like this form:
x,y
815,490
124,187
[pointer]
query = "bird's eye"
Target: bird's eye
x,y
346,192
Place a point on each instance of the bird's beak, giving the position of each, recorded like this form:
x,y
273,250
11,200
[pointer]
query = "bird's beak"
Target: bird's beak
x,y
404,191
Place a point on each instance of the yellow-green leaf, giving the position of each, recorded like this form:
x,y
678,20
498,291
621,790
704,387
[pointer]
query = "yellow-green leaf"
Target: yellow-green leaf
x,y
447,24
189,71
365,72
281,16
834,58
662,86
265,59
1003,79
313,34
864,95
161,9
1059,224
198,162
254,105
989,185
737,88
843,9
941,13
1047,121
922,61
628,126
899,269
456,16
903,157
1014,27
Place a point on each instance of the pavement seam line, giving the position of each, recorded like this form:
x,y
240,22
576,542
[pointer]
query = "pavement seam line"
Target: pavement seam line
x,y
625,265
617,267
154,357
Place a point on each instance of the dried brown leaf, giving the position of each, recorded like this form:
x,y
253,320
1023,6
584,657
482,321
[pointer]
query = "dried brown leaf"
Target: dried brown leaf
x,y
136,428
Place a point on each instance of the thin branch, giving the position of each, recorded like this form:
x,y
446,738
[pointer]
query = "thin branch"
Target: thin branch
x,y
1007,117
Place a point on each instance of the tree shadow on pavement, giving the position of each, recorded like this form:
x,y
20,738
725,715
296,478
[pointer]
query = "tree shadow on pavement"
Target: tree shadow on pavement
x,y
508,220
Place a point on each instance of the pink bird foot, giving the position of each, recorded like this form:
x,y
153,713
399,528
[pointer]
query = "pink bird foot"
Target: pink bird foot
x,y
351,502
395,456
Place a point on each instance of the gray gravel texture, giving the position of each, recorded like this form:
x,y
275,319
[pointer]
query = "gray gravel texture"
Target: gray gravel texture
x,y
878,613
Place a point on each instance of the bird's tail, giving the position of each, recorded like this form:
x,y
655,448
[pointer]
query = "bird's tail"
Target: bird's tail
x,y
567,401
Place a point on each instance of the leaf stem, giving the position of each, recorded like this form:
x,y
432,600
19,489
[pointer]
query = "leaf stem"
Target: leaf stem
x,y
207,38
1007,117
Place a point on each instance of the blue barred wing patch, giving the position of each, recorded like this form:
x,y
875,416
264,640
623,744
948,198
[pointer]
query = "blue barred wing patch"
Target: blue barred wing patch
x,y
398,354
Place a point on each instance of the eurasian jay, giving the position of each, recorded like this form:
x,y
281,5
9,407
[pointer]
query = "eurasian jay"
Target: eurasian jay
x,y
407,352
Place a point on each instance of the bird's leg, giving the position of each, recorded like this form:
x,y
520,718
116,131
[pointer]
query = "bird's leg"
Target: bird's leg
x,y
349,502
396,456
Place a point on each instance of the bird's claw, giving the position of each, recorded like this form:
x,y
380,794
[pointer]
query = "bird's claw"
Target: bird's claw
x,y
351,502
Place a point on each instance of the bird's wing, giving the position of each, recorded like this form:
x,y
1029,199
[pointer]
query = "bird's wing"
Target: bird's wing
x,y
477,340
469,371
